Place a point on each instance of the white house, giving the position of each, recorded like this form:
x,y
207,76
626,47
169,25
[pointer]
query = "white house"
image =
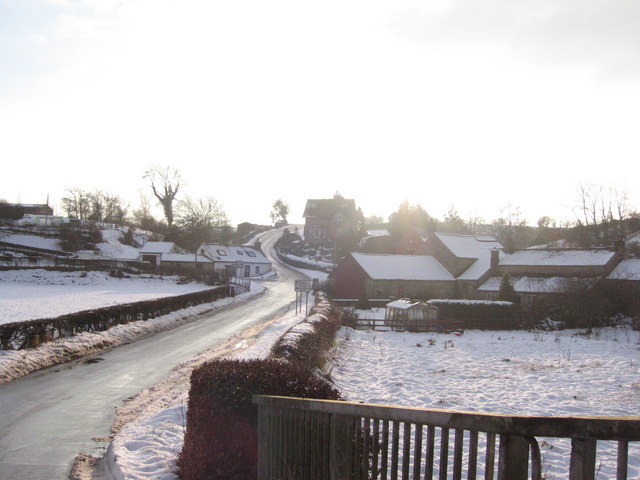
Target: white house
x,y
236,260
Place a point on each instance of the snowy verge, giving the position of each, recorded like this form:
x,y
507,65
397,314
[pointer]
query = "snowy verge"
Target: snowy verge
x,y
15,364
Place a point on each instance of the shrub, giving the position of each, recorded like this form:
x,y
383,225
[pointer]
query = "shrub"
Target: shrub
x,y
305,343
221,436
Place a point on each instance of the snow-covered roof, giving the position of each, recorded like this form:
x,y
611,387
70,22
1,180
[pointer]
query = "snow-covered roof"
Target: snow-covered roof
x,y
626,270
404,304
528,284
469,246
234,253
465,301
634,238
558,258
402,267
184,258
380,232
157,247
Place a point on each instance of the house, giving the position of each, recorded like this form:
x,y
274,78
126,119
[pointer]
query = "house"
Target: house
x,y
540,275
377,276
412,243
328,219
467,257
236,260
16,211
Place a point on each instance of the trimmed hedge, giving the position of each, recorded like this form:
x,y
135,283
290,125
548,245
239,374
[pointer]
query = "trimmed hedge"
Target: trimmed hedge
x,y
20,335
304,344
221,441
479,314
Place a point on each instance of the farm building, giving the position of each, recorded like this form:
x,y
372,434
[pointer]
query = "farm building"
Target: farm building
x,y
376,276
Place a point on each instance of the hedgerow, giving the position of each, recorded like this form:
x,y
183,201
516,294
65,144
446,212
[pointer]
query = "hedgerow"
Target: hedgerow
x,y
221,437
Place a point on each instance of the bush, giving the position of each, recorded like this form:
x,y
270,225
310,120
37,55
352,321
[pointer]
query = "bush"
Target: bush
x,y
221,437
305,343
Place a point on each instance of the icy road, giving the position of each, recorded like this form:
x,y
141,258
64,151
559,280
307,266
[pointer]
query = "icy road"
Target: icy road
x,y
47,418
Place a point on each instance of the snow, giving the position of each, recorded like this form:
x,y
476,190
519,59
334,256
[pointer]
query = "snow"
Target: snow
x,y
37,293
568,258
112,248
32,241
469,246
402,267
511,372
158,247
529,284
626,270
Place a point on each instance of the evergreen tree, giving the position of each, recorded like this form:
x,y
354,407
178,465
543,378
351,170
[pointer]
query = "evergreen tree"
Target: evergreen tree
x,y
507,293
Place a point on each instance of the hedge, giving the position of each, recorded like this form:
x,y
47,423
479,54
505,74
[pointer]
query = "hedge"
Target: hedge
x,y
221,440
20,335
479,314
304,344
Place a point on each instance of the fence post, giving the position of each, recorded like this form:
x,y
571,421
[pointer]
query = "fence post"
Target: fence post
x,y
513,463
263,442
341,447
583,459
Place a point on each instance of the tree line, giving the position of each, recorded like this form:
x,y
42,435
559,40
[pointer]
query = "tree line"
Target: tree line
x,y
602,216
188,221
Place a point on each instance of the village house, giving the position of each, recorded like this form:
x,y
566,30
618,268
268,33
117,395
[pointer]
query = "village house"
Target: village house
x,y
235,260
168,257
376,276
328,219
539,275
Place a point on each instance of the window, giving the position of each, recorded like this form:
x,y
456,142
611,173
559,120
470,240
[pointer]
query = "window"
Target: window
x,y
257,269
240,252
250,253
222,253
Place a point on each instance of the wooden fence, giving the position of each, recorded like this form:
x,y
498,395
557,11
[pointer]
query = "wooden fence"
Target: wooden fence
x,y
380,324
327,440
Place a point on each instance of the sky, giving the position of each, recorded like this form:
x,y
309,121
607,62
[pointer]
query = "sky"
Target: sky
x,y
446,103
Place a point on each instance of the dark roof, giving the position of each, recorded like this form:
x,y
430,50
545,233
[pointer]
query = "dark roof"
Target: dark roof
x,y
327,207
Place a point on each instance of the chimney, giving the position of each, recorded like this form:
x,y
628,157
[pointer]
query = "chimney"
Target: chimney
x,y
619,246
495,258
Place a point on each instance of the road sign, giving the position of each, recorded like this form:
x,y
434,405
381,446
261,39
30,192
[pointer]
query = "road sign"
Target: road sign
x,y
303,285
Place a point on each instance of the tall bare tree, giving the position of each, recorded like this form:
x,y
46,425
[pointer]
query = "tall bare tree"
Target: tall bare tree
x,y
165,183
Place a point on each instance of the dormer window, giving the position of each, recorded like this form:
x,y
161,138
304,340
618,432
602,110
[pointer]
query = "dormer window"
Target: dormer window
x,y
240,252
222,253
251,254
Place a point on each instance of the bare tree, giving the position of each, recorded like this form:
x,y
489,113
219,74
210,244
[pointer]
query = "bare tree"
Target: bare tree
x,y
509,226
201,219
142,215
165,183
76,203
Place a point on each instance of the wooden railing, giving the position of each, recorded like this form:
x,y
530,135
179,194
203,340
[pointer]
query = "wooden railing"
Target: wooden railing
x,y
380,324
327,440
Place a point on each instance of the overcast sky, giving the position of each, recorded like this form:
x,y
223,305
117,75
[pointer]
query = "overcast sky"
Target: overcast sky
x,y
475,104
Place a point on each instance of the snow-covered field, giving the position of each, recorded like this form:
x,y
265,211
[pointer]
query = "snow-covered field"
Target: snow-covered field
x,y
560,373
32,294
